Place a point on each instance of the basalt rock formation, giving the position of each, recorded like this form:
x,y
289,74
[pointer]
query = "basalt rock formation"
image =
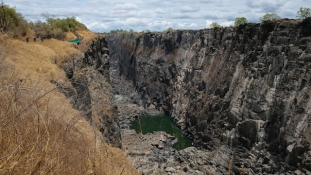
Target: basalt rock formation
x,y
90,89
240,92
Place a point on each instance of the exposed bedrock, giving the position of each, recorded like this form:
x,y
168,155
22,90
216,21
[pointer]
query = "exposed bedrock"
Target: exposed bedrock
x,y
246,87
89,89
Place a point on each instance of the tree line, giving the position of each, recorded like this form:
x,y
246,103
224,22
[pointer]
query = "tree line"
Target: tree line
x,y
302,13
15,24
55,27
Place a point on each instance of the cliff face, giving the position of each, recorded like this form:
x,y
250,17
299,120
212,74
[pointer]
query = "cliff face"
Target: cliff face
x,y
246,87
90,90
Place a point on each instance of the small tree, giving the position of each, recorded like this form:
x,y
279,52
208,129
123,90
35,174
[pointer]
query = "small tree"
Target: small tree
x,y
12,22
169,29
240,21
215,25
9,18
304,13
113,31
270,17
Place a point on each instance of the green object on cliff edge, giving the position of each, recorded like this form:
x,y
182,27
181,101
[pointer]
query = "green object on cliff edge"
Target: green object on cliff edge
x,y
77,40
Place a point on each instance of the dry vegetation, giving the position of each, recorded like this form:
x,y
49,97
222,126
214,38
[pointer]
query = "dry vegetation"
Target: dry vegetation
x,y
88,36
70,36
40,133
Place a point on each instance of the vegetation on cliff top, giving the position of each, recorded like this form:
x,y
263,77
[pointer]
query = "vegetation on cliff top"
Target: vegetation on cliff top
x,y
15,24
12,21
269,17
304,13
240,21
56,28
215,25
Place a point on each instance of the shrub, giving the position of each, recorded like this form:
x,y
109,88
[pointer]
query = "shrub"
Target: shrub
x,y
9,18
170,29
270,17
240,21
304,13
11,21
56,27
215,25
15,23
137,36
119,31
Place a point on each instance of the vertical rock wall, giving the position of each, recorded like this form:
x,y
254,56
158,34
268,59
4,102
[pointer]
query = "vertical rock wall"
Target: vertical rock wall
x,y
90,90
246,87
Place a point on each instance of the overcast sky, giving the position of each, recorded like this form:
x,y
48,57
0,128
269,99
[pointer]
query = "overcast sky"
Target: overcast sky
x,y
156,15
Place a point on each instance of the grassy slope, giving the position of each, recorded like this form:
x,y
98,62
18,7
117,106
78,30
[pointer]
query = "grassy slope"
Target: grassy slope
x,y
39,130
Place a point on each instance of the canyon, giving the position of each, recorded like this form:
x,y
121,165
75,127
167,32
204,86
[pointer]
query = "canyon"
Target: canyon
x,y
241,93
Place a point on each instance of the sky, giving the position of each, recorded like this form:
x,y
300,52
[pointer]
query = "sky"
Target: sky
x,y
156,15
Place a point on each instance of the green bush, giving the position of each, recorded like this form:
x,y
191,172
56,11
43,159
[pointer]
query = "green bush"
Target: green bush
x,y
118,31
270,17
15,23
170,29
304,13
56,27
240,21
215,25
9,18
137,36
12,22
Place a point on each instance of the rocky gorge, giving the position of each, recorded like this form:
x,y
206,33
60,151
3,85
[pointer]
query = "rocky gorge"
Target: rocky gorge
x,y
242,93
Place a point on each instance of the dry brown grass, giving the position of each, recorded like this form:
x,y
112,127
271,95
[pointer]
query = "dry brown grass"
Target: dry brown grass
x,y
70,36
88,36
63,49
35,60
40,133
40,59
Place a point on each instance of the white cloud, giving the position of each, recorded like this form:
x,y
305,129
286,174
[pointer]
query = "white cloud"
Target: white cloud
x,y
189,9
227,23
105,15
208,23
187,25
160,25
125,6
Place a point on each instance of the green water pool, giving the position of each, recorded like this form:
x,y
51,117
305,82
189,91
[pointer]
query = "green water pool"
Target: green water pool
x,y
161,123
77,40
